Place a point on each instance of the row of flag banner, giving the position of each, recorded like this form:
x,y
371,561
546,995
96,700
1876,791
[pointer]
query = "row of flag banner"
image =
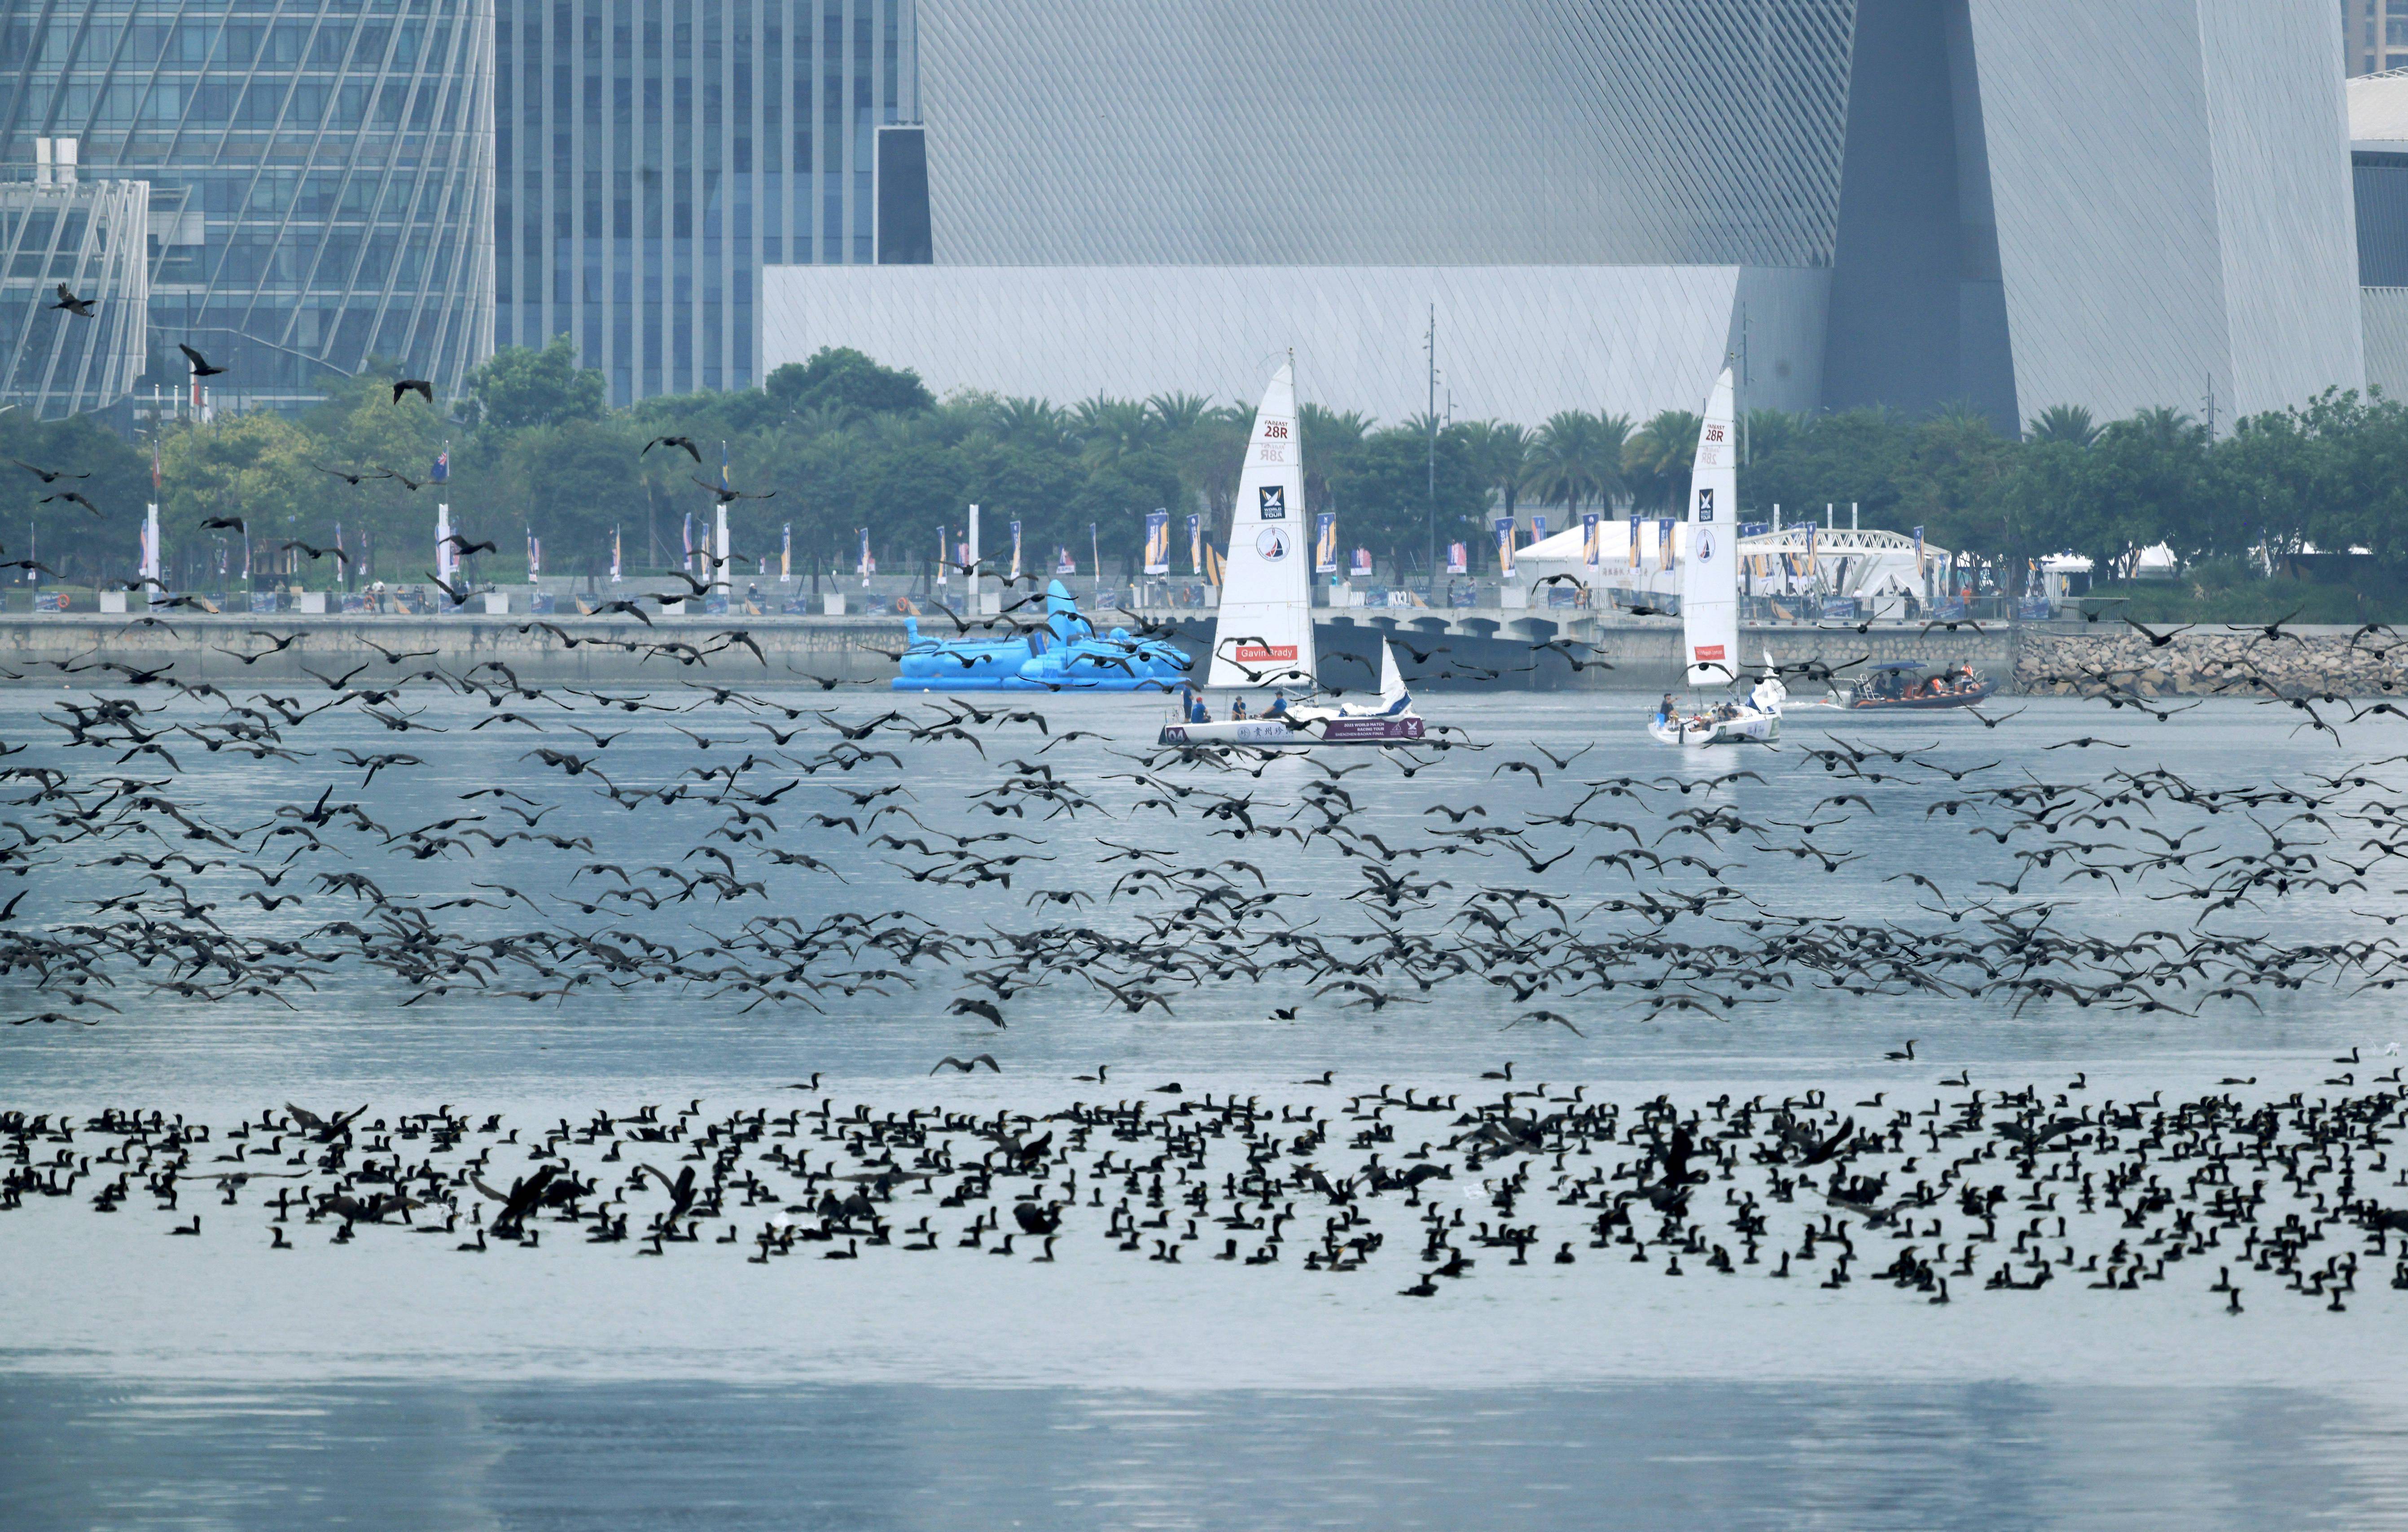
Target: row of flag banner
x,y
1204,560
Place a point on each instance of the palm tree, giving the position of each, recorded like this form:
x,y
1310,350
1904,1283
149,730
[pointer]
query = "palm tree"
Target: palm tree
x,y
1110,429
1964,415
1564,460
1325,430
2162,425
1612,449
1328,439
1660,456
1032,422
1211,454
2063,423
1178,412
1501,454
1769,431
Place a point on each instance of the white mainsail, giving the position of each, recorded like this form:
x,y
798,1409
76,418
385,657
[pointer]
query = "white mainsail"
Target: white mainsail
x,y
1710,578
1264,634
1392,680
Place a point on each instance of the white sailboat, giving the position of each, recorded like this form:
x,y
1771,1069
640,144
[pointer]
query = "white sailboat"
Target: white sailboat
x,y
1710,599
1264,636
1262,640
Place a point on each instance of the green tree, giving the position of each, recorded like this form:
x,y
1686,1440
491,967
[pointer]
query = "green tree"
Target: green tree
x,y
2063,423
1383,500
842,379
1332,442
257,467
1576,457
518,388
2144,476
1657,460
1501,454
570,483
1862,457
85,544
1954,466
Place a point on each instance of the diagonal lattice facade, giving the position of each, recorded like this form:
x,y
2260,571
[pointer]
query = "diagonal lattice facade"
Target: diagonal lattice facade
x,y
91,237
321,172
1456,132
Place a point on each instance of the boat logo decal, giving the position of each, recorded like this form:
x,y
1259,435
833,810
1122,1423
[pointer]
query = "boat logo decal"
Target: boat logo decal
x,y
1271,543
1274,502
1705,502
1706,547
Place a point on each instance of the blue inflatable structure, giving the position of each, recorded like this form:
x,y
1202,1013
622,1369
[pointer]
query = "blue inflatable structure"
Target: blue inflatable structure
x,y
1065,654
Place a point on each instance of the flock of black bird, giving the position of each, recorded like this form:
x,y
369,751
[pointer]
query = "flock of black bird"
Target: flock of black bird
x,y
1981,1189
424,866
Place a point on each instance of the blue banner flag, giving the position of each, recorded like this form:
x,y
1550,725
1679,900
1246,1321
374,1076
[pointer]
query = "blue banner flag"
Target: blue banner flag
x,y
1157,541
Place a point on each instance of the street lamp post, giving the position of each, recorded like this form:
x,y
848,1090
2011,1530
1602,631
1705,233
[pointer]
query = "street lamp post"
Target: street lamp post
x,y
1430,346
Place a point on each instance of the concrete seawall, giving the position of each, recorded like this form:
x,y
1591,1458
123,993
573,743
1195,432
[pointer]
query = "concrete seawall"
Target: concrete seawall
x,y
616,652
1455,652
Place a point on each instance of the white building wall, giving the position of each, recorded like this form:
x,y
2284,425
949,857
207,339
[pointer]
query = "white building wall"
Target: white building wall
x,y
2097,123
2384,310
2171,184
2279,131
1515,343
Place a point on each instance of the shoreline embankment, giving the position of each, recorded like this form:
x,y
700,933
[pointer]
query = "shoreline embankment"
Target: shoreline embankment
x,y
1457,652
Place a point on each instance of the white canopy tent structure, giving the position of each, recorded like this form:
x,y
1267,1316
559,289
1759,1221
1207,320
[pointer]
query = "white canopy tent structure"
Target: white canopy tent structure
x,y
1801,562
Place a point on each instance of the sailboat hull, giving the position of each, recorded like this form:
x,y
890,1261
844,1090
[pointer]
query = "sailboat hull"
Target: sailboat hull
x,y
1749,728
1303,733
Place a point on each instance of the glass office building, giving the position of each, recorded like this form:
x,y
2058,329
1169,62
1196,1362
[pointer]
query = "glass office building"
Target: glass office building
x,y
652,155
2374,35
321,173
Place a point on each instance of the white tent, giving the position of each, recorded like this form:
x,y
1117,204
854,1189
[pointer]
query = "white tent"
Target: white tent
x,y
1801,561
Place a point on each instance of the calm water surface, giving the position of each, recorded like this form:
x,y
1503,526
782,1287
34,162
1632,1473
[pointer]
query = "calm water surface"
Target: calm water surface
x,y
148,1382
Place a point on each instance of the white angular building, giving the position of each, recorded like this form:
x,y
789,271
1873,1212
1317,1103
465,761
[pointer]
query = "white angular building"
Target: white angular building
x,y
89,237
321,177
1911,203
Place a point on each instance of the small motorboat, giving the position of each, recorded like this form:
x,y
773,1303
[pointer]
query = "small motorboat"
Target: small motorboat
x,y
1901,686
